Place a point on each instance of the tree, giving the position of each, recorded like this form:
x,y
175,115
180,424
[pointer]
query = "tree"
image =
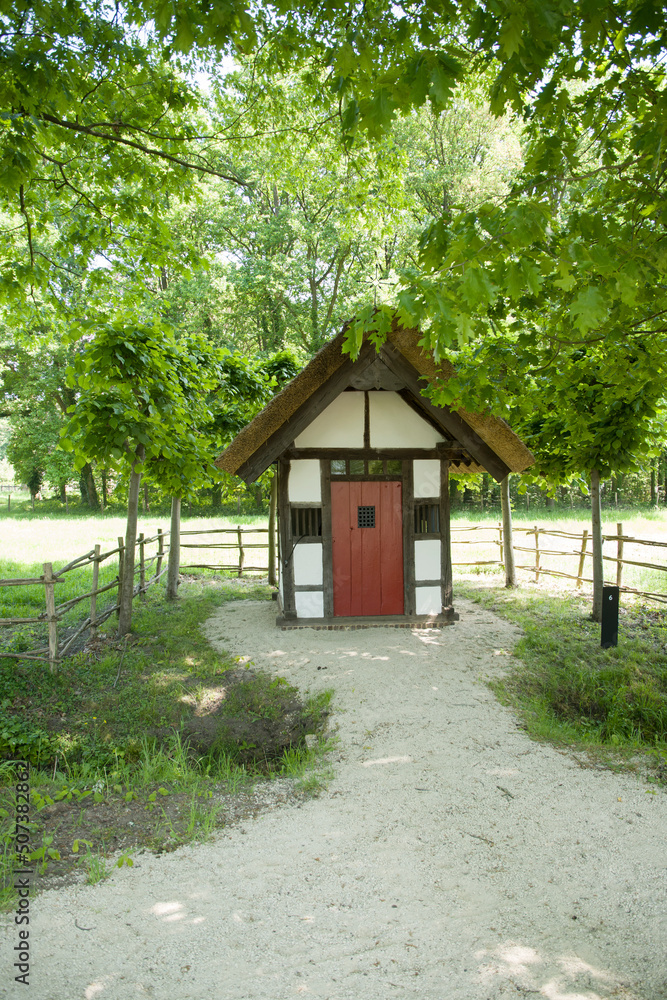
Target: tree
x,y
142,405
583,227
592,415
99,123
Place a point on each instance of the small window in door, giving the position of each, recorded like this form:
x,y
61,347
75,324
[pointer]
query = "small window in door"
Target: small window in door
x,y
365,517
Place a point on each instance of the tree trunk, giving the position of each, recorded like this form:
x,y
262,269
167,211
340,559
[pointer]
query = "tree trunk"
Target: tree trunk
x,y
272,528
508,540
174,563
654,484
216,496
105,499
598,572
63,490
127,583
92,498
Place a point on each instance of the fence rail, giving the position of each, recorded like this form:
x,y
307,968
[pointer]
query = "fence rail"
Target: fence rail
x,y
49,579
53,613
581,553
241,544
52,616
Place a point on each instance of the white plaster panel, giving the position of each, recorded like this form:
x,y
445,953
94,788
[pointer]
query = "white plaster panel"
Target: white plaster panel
x,y
309,604
340,425
428,600
308,565
394,424
304,484
427,477
427,559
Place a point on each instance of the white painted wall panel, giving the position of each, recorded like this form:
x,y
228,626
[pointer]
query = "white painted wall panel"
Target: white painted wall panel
x,y
427,477
427,559
428,600
341,425
394,424
308,565
309,604
305,485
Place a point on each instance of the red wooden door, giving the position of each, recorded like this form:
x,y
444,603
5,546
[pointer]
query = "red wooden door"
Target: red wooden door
x,y
367,537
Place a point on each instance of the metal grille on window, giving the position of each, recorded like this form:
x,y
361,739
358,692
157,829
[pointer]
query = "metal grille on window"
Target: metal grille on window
x,y
306,522
365,517
427,519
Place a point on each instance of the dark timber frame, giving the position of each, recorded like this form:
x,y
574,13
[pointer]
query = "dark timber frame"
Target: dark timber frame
x,y
466,442
288,543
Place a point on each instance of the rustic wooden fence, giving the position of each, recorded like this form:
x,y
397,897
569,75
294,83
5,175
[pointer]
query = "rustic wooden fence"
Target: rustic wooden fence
x,y
581,553
53,613
10,488
240,544
59,645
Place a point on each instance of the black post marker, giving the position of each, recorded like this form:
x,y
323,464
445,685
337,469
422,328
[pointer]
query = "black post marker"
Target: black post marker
x,y
609,617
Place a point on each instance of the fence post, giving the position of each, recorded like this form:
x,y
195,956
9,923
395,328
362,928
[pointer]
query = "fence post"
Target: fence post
x,y
160,553
93,596
49,588
9,502
619,554
537,553
582,557
239,532
121,561
142,566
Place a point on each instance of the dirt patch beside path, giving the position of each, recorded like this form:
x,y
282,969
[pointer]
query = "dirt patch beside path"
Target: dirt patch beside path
x,y
451,858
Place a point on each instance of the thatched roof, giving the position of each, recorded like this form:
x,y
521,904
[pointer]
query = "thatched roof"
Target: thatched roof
x,y
330,372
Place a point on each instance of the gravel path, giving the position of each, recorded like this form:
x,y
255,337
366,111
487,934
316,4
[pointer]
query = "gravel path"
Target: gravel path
x,y
451,858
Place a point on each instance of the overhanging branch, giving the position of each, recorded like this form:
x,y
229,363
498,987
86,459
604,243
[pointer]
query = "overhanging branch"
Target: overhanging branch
x,y
94,133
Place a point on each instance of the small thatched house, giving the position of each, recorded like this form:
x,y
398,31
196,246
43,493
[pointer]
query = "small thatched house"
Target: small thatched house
x,y
363,492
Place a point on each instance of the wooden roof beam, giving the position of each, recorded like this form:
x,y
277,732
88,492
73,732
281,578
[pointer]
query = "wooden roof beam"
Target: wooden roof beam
x,y
449,421
312,406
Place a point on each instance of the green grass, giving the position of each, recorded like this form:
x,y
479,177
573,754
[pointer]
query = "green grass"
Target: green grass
x,y
569,690
108,730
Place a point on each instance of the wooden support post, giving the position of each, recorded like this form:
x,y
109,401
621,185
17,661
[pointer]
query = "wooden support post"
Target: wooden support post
x,y
121,565
619,554
446,575
49,588
537,553
582,557
93,596
9,502
239,532
142,566
160,553
272,529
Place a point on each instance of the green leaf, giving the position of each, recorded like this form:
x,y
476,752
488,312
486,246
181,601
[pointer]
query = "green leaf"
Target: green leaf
x,y
589,309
